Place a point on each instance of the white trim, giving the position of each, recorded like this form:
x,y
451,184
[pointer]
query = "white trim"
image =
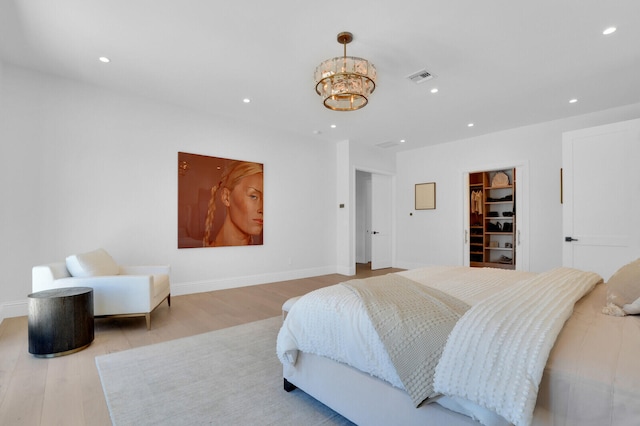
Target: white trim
x,y
19,308
179,289
411,265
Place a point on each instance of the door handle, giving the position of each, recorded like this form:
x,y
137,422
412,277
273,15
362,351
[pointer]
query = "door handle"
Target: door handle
x,y
569,239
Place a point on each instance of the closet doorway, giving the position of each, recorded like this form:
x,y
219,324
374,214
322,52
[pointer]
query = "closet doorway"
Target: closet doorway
x,y
496,225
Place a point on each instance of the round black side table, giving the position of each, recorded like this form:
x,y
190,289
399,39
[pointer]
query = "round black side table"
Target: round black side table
x,y
60,321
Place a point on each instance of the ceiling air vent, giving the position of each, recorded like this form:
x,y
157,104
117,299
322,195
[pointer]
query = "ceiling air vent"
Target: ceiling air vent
x,y
420,76
388,144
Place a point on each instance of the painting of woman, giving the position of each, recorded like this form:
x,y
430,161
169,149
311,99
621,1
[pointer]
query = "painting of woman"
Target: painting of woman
x,y
220,202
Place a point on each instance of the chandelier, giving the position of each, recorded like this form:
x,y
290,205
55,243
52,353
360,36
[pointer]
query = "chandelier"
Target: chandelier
x,y
345,83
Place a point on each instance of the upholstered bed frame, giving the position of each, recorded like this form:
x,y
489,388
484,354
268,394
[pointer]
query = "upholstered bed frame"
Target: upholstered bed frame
x,y
340,387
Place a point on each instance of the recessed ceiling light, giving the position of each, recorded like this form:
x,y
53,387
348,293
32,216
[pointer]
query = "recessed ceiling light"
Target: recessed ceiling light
x,y
402,141
246,100
434,90
333,126
573,101
470,125
104,59
609,30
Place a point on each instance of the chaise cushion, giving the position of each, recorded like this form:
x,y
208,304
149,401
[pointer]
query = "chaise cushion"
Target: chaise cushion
x,y
160,285
91,264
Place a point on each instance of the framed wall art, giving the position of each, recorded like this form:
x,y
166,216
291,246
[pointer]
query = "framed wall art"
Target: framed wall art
x,y
426,196
220,201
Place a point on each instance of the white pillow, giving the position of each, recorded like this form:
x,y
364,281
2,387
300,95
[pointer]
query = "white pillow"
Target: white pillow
x,y
91,264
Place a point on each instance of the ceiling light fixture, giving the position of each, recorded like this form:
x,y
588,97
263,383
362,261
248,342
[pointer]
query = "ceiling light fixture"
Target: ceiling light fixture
x,y
609,30
104,59
345,83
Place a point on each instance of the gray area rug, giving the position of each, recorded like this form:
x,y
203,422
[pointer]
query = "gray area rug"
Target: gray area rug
x,y
230,376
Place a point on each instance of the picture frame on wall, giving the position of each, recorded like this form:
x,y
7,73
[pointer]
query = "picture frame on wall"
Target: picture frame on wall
x,y
425,196
220,201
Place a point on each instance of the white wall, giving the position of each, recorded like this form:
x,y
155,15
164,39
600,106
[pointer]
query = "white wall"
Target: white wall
x,y
436,236
86,168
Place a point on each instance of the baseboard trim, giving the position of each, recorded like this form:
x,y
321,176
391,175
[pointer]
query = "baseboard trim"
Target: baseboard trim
x,y
411,265
178,289
19,308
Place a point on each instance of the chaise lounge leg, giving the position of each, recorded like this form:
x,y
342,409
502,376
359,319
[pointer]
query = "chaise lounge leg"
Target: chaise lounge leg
x,y
169,299
148,318
288,386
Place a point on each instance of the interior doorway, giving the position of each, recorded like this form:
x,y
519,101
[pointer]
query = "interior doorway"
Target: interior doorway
x,y
374,220
363,220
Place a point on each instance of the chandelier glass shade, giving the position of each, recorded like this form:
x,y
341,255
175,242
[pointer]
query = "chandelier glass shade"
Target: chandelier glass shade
x,y
345,83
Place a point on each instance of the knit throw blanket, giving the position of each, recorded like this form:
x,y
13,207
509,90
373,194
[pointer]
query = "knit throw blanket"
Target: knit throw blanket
x,y
413,322
496,354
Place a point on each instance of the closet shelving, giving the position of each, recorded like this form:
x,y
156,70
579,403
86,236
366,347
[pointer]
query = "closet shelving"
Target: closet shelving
x,y
492,219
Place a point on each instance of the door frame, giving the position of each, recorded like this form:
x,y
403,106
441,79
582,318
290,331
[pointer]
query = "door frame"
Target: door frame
x,y
522,209
363,217
381,208
353,226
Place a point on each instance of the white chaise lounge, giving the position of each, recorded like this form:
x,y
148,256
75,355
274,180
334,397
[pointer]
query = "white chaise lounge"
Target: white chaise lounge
x,y
117,290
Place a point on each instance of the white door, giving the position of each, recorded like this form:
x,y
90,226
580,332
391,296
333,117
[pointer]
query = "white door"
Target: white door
x,y
381,221
601,197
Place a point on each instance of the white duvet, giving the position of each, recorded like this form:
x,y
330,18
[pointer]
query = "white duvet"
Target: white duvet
x,y
496,353
333,323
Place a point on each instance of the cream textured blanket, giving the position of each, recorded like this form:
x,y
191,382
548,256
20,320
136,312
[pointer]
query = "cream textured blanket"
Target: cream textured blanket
x,y
413,322
496,353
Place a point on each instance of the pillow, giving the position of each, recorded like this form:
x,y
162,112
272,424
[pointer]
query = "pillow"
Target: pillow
x,y
623,291
91,264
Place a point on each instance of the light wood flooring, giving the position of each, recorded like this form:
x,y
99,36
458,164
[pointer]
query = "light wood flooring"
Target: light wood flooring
x,y
67,391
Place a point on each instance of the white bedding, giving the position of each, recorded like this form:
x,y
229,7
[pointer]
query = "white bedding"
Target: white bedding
x,y
333,323
413,322
496,353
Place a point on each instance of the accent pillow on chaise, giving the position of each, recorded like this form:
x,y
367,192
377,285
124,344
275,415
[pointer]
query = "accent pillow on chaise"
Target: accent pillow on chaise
x,y
91,264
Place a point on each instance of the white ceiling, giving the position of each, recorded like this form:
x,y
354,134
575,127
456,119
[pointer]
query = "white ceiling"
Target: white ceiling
x,y
498,63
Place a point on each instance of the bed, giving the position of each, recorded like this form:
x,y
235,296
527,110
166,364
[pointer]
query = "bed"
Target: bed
x,y
521,348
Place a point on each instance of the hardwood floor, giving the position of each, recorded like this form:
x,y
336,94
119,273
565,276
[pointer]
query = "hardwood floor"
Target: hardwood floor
x,y
67,391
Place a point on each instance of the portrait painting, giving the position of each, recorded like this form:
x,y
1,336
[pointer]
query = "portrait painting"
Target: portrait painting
x,y
219,202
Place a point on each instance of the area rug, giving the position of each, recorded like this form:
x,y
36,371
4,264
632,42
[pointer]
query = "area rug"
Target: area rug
x,y
230,376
